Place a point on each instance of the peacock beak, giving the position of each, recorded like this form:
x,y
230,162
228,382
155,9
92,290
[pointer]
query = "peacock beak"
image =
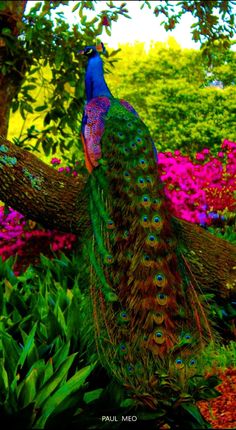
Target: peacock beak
x,y
81,52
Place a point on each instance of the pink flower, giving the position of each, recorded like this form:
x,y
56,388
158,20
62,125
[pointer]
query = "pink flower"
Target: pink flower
x,y
61,169
200,157
55,161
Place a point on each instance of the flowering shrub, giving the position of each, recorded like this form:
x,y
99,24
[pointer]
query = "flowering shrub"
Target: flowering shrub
x,y
28,240
198,191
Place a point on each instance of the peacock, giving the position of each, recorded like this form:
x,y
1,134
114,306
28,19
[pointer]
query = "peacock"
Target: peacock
x,y
149,321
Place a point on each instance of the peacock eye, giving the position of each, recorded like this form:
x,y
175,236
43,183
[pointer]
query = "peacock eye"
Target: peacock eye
x,y
179,361
130,368
108,259
146,257
158,334
139,140
133,145
123,347
149,180
120,134
192,362
156,219
141,182
127,175
89,51
187,336
162,299
110,224
159,277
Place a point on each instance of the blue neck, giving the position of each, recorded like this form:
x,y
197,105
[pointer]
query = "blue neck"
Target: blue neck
x,y
95,84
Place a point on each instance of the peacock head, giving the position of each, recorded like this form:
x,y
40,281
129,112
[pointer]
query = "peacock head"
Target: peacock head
x,y
92,51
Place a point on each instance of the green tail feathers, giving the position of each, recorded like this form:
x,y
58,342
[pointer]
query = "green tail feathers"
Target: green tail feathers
x,y
147,317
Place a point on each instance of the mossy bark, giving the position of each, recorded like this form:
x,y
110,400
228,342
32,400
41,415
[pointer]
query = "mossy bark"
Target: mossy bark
x,y
40,192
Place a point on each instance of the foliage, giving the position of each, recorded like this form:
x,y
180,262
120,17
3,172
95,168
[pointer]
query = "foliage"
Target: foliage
x,y
171,90
182,110
209,26
46,39
43,376
27,240
47,42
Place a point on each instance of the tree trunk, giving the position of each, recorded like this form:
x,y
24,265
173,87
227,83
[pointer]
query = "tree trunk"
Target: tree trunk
x,y
12,70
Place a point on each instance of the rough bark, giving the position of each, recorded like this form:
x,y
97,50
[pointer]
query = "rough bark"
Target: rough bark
x,y
12,75
40,192
57,201
211,260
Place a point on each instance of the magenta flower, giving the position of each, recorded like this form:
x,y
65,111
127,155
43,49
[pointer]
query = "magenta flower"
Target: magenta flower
x,y
200,157
55,161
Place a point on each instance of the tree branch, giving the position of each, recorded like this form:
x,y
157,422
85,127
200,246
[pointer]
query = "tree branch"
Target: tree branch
x,y
41,193
211,260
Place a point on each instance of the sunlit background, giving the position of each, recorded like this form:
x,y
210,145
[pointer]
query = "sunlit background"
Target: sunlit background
x,y
143,26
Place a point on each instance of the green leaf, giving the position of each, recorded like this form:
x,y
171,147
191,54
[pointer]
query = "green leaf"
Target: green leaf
x,y
28,346
54,381
61,355
3,377
48,371
90,396
194,411
77,5
71,386
41,108
11,353
28,87
28,389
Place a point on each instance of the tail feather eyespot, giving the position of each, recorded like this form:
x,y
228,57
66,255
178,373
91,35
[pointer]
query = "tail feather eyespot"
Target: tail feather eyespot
x,y
108,259
144,221
127,175
160,280
179,363
123,317
162,299
110,224
141,182
152,240
159,337
145,201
